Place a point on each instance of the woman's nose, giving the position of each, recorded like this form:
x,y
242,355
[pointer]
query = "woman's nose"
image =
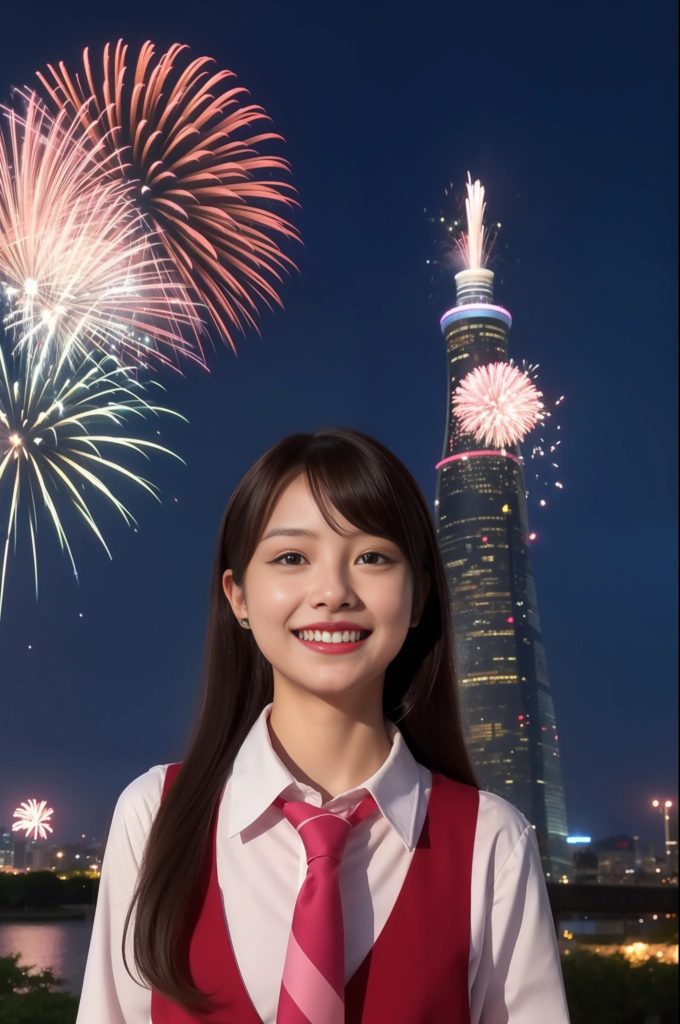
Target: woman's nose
x,y
332,586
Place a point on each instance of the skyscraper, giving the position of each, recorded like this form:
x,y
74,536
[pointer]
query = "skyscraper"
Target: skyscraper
x,y
483,533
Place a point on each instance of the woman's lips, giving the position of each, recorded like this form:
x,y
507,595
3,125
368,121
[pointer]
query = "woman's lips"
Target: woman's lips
x,y
330,648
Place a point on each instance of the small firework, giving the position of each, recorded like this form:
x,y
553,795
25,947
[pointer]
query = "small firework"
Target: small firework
x,y
48,450
186,143
33,817
497,403
545,456
75,272
464,241
473,245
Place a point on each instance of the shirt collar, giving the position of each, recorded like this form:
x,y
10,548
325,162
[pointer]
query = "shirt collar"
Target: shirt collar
x,y
258,776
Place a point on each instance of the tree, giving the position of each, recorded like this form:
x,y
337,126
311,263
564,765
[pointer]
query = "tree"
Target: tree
x,y
610,990
28,998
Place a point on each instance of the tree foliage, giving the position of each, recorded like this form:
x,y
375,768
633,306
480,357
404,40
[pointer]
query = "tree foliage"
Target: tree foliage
x,y
28,997
610,990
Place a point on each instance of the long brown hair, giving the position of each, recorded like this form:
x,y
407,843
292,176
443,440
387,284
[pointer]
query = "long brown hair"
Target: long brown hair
x,y
350,472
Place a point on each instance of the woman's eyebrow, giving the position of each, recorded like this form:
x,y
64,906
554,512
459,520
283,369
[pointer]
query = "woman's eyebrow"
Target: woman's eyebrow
x,y
295,531
289,531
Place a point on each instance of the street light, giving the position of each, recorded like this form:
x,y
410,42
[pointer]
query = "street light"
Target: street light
x,y
664,809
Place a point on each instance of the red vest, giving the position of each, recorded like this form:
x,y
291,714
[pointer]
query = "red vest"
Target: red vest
x,y
417,970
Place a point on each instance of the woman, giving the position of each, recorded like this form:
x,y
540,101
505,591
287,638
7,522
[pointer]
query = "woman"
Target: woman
x,y
323,853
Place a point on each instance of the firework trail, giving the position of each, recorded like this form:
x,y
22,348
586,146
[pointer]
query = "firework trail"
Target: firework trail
x,y
474,244
51,447
456,247
33,817
497,403
179,133
76,273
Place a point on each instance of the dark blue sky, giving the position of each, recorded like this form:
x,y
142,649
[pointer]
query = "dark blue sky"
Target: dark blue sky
x,y
567,115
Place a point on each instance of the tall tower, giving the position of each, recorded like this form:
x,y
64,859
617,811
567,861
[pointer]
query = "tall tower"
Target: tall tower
x,y
483,533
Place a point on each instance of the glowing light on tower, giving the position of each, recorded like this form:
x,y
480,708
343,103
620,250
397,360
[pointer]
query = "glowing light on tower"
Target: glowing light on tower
x,y
33,817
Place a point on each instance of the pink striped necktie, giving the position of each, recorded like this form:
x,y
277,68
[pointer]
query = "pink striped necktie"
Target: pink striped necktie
x,y
313,985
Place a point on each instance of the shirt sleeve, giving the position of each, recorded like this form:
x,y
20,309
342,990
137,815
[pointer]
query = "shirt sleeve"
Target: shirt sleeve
x,y
520,977
109,995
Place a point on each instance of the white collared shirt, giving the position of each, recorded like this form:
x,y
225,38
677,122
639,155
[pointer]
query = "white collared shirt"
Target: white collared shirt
x,y
514,968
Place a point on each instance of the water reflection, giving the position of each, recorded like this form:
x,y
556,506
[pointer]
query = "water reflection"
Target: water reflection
x,y
60,945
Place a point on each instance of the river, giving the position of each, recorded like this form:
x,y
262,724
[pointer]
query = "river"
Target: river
x,y
59,945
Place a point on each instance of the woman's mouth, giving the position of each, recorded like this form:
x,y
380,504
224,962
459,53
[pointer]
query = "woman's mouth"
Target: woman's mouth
x,y
327,642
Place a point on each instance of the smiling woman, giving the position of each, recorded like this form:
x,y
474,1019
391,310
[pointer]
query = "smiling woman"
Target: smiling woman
x,y
324,835
326,669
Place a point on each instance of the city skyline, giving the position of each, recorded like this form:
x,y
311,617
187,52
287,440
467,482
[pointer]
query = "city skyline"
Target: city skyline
x,y
100,679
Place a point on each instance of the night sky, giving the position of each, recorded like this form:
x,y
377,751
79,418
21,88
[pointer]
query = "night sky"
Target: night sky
x,y
567,115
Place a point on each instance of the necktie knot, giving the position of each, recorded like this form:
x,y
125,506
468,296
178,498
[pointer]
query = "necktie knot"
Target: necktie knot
x,y
324,833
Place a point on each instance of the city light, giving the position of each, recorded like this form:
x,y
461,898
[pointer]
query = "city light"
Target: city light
x,y
664,806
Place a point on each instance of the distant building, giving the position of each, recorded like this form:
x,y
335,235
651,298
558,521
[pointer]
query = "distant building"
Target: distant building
x,y
19,844
37,855
6,849
483,533
83,856
618,860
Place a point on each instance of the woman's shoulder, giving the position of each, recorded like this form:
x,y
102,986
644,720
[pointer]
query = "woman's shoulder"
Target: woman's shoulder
x,y
138,803
503,833
501,815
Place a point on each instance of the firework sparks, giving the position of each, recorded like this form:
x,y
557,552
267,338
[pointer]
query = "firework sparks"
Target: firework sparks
x,y
48,450
33,817
473,244
456,247
75,271
498,404
545,453
186,143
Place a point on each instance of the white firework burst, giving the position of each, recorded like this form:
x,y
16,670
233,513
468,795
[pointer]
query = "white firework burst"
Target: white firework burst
x,y
498,404
33,817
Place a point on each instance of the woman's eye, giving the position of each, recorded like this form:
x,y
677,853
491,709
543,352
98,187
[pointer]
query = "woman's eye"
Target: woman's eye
x,y
292,558
377,554
288,554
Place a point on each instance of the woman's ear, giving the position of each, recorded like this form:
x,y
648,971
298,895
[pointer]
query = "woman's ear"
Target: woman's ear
x,y
234,595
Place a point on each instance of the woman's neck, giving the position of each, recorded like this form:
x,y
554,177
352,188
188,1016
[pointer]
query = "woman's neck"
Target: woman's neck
x,y
328,748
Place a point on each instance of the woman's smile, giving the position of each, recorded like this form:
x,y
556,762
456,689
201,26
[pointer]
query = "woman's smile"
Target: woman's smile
x,y
338,642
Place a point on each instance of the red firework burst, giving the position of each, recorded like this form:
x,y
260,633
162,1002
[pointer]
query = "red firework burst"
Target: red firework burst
x,y
186,142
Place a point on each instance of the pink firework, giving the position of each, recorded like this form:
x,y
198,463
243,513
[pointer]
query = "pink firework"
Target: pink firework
x,y
75,272
497,403
33,817
192,151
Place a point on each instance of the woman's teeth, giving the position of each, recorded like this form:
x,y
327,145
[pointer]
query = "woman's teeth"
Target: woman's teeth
x,y
347,636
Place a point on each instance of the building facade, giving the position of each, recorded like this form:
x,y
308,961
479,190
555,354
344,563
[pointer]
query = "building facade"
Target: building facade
x,y
483,532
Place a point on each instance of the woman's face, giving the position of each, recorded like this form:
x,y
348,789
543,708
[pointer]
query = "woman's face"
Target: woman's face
x,y
297,580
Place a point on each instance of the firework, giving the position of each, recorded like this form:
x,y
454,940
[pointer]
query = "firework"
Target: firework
x,y
33,817
182,137
497,403
474,244
75,271
545,449
463,243
51,446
